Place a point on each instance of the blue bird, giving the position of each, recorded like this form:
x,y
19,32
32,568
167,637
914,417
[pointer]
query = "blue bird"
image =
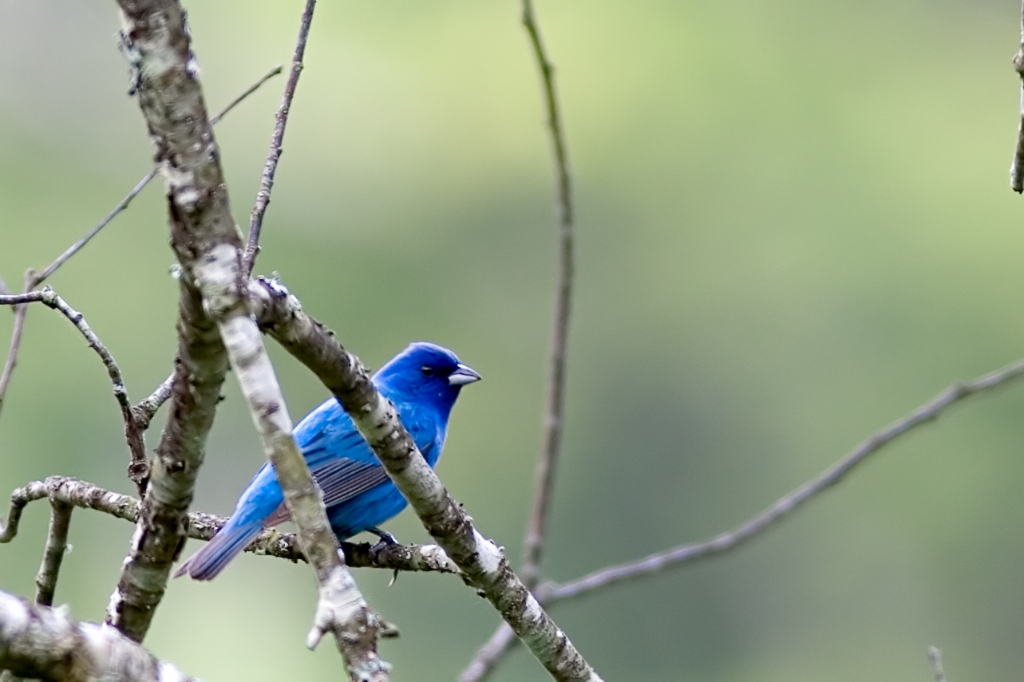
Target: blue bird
x,y
422,382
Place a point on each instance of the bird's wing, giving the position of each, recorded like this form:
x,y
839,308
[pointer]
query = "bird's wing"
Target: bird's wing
x,y
341,478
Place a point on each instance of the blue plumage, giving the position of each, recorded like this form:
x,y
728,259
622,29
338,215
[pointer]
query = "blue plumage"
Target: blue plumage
x,y
423,382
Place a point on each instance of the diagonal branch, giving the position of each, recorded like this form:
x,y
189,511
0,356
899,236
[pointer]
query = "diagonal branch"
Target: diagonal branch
x,y
146,409
341,609
70,492
33,279
138,469
550,593
483,565
555,398
252,249
42,643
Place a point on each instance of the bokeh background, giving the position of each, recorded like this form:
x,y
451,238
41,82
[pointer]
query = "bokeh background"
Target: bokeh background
x,y
794,226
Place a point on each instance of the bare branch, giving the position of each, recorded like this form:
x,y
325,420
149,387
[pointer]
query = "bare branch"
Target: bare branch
x,y
790,503
53,555
42,643
139,186
77,246
12,352
146,409
935,659
138,469
342,609
490,655
35,279
61,490
552,427
252,249
207,244
1017,167
483,564
156,44
550,593
215,119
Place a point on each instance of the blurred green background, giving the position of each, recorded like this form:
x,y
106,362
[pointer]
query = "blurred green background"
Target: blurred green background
x,y
794,226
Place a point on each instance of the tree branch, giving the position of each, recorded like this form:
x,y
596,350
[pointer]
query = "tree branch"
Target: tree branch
x,y
53,555
1017,167
138,469
42,643
33,279
483,564
547,464
61,490
207,244
341,609
935,659
252,249
11,361
550,593
146,409
155,42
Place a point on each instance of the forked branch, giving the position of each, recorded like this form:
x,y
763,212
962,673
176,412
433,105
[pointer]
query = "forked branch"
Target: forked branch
x,y
488,657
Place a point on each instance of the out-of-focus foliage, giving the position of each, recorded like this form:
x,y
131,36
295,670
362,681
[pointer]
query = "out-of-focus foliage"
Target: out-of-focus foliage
x,y
794,226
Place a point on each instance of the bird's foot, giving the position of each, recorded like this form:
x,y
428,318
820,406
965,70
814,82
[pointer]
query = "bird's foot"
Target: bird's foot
x,y
386,540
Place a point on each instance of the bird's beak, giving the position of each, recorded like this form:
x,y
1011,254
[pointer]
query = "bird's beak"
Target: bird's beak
x,y
463,375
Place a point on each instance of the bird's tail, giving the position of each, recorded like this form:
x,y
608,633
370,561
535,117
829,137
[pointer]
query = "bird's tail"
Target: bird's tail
x,y
236,534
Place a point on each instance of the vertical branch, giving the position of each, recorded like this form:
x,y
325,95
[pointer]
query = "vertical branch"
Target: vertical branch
x,y
1017,167
214,326
935,659
155,42
53,555
12,352
276,139
555,397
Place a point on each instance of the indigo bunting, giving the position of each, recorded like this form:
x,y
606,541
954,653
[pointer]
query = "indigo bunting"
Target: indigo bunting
x,y
422,382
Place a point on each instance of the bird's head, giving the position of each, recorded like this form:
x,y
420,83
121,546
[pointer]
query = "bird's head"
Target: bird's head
x,y
425,371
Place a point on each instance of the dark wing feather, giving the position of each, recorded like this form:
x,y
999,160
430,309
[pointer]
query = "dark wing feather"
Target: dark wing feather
x,y
339,480
343,478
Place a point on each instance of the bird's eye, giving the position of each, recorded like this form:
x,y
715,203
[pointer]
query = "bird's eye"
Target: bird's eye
x,y
427,370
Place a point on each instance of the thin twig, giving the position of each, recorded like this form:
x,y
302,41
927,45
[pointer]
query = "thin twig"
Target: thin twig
x,y
547,464
252,249
935,658
12,352
146,409
550,593
248,91
33,279
138,469
77,246
53,555
1017,167
490,655
74,248
786,505
72,492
